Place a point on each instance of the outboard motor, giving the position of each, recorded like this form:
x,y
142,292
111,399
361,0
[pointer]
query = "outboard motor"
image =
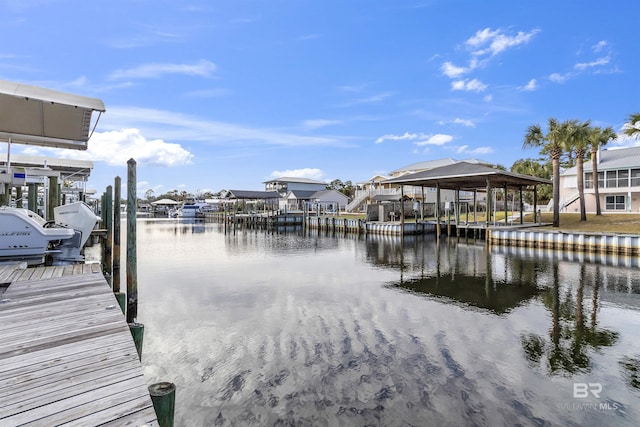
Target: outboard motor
x,y
80,218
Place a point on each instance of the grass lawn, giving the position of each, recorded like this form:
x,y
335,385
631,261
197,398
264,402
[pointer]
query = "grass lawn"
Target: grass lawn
x,y
627,223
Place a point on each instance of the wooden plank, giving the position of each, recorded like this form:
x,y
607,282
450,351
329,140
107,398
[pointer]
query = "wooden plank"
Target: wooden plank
x,y
88,302
57,271
16,365
25,319
48,272
70,409
124,414
54,328
71,353
67,355
23,347
55,383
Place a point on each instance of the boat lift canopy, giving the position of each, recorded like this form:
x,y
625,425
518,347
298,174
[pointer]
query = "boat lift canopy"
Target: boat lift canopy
x,y
38,116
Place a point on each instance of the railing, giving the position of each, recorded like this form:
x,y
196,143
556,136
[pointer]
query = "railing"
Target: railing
x,y
363,195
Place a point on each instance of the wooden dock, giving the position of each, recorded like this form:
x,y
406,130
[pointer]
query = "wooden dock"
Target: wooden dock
x,y
66,352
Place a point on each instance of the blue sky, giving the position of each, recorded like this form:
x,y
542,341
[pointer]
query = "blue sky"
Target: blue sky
x,y
211,95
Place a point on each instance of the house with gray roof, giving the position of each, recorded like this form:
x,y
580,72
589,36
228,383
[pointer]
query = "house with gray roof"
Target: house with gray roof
x,y
618,182
285,184
380,188
327,200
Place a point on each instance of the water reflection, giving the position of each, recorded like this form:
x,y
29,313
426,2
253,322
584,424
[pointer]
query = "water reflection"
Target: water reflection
x,y
267,328
571,339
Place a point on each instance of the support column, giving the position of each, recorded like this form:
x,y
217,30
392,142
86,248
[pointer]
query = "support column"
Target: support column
x,y
53,197
521,206
438,210
19,196
32,201
506,204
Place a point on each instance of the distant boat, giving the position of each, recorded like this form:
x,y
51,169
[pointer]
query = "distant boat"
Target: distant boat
x,y
194,210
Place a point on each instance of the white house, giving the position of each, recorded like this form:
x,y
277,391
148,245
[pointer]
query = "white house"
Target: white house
x,y
286,184
618,183
376,188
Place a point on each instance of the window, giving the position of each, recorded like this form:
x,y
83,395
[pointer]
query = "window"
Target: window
x,y
623,178
600,179
612,179
615,203
635,177
588,180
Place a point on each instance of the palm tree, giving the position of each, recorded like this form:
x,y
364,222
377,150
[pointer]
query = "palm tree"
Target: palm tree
x,y
535,167
578,144
598,138
551,144
632,127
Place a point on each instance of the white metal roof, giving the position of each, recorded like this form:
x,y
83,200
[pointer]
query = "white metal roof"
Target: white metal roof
x,y
38,116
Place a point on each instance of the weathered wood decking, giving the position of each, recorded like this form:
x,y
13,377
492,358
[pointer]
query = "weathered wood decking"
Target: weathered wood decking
x,y
66,353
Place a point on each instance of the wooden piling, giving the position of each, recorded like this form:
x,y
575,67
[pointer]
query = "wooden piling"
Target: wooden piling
x,y
163,396
132,261
117,196
108,250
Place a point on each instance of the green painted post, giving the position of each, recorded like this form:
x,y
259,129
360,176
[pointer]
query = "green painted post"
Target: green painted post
x,y
163,396
122,302
116,234
108,250
132,260
137,332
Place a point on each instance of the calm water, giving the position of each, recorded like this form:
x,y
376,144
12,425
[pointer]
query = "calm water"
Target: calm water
x,y
263,328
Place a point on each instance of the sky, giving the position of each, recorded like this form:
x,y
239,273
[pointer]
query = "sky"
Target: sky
x,y
209,95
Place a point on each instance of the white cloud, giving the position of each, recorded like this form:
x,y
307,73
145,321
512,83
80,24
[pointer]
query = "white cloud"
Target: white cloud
x,y
473,85
419,138
311,173
202,68
488,98
559,78
437,139
463,122
405,136
497,41
598,62
602,44
532,85
450,70
117,147
481,36
464,149
319,123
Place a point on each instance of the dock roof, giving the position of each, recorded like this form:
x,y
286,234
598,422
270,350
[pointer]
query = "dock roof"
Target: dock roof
x,y
38,116
466,176
252,195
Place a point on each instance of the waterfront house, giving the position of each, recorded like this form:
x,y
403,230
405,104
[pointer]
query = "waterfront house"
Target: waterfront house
x,y
379,188
285,184
618,183
327,200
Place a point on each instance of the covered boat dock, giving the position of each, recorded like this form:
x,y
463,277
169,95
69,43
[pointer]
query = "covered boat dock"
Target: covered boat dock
x,y
472,177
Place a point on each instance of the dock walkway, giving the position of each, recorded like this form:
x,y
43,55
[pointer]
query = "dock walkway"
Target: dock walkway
x,y
66,353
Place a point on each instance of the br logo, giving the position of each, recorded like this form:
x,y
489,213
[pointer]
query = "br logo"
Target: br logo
x,y
582,390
